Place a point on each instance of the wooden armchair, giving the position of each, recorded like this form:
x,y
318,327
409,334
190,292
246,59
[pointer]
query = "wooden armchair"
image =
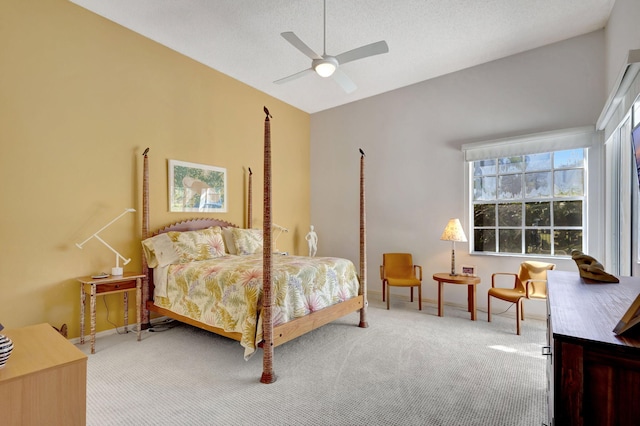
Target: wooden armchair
x,y
530,282
398,270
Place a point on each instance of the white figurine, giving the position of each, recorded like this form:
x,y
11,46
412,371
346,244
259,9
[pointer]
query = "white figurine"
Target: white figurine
x,y
312,238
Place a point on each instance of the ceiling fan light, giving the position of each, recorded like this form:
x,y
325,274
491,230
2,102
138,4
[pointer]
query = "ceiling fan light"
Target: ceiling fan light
x,y
325,67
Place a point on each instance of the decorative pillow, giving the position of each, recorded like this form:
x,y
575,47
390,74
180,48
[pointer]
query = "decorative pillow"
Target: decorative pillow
x,y
202,244
182,247
248,241
229,243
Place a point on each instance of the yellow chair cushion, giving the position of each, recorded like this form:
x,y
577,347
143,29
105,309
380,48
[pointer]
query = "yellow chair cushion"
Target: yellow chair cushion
x,y
403,282
508,294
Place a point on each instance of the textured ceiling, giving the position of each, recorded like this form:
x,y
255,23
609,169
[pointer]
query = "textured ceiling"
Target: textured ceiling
x,y
426,38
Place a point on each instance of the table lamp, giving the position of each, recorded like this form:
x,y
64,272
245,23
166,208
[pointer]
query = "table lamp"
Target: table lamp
x,y
116,270
453,232
280,230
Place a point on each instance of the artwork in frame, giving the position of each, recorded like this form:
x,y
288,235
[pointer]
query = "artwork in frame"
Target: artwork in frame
x,y
468,270
197,187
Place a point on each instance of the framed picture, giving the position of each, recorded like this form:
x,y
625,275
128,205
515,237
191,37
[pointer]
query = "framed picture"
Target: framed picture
x,y
197,188
468,270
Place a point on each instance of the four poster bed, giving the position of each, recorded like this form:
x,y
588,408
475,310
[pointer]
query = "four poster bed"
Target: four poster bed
x,y
209,273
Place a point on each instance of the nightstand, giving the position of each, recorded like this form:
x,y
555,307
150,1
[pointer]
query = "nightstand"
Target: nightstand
x,y
109,285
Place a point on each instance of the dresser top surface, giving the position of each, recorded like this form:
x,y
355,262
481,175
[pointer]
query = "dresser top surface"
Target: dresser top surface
x,y
36,348
588,310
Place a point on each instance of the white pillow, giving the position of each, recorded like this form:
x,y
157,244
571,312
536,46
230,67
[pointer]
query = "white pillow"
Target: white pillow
x,y
159,251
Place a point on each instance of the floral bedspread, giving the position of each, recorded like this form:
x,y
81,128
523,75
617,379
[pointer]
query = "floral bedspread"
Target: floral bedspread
x,y
226,292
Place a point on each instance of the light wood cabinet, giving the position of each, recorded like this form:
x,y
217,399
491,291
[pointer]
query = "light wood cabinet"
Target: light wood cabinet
x,y
44,381
593,375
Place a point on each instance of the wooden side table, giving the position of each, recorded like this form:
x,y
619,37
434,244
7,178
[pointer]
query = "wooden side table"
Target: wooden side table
x,y
471,282
109,285
44,381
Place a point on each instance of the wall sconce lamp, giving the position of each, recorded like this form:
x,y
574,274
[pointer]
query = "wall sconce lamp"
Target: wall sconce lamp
x,y
453,232
116,270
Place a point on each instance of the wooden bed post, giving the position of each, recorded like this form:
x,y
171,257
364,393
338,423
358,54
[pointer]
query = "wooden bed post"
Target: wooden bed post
x,y
363,247
250,201
145,322
268,376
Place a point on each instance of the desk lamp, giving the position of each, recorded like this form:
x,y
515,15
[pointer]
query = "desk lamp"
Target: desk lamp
x,y
453,232
280,230
116,270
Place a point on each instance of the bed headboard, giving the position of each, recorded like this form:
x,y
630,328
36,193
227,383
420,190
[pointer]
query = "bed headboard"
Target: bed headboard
x,y
194,225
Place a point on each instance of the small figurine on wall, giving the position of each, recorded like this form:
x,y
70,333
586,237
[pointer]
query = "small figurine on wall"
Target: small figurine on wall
x,y
312,239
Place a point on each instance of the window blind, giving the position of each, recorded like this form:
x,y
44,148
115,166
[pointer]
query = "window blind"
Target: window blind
x,y
557,140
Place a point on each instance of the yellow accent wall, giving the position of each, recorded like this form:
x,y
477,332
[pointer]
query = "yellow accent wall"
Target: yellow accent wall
x,y
80,99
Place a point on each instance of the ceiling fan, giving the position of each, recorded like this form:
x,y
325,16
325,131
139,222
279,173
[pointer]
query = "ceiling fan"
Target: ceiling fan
x,y
328,66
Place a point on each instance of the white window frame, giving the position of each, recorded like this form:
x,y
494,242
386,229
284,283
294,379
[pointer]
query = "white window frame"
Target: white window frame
x,y
579,137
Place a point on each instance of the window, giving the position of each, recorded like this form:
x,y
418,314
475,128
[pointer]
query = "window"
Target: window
x,y
622,242
529,204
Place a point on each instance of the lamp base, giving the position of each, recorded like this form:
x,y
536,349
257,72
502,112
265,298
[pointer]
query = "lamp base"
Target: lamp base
x,y
117,271
453,261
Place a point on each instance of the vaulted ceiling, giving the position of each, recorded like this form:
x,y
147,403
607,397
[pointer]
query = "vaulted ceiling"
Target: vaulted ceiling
x,y
426,38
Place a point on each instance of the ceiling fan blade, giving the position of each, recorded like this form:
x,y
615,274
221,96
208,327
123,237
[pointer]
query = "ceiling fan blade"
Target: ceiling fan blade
x,y
294,76
362,52
344,81
299,44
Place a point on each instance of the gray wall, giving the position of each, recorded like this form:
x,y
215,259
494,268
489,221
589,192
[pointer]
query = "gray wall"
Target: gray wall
x,y
621,35
414,166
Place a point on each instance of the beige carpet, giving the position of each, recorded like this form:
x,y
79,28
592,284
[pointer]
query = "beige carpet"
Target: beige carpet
x,y
407,368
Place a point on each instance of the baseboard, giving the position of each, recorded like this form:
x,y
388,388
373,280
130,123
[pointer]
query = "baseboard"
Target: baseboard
x,y
377,295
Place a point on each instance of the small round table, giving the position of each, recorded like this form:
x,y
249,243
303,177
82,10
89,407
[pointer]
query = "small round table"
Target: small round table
x,y
471,282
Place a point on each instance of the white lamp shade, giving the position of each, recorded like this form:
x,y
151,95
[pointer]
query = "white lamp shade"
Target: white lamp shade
x,y
453,232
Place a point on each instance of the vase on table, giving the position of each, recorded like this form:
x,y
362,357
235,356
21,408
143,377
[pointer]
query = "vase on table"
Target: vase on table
x,y
6,347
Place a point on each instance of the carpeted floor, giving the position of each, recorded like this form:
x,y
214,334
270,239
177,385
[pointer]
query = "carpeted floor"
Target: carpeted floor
x,y
407,368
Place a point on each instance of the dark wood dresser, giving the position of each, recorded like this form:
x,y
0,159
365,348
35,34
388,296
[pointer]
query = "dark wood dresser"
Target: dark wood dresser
x,y
593,375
